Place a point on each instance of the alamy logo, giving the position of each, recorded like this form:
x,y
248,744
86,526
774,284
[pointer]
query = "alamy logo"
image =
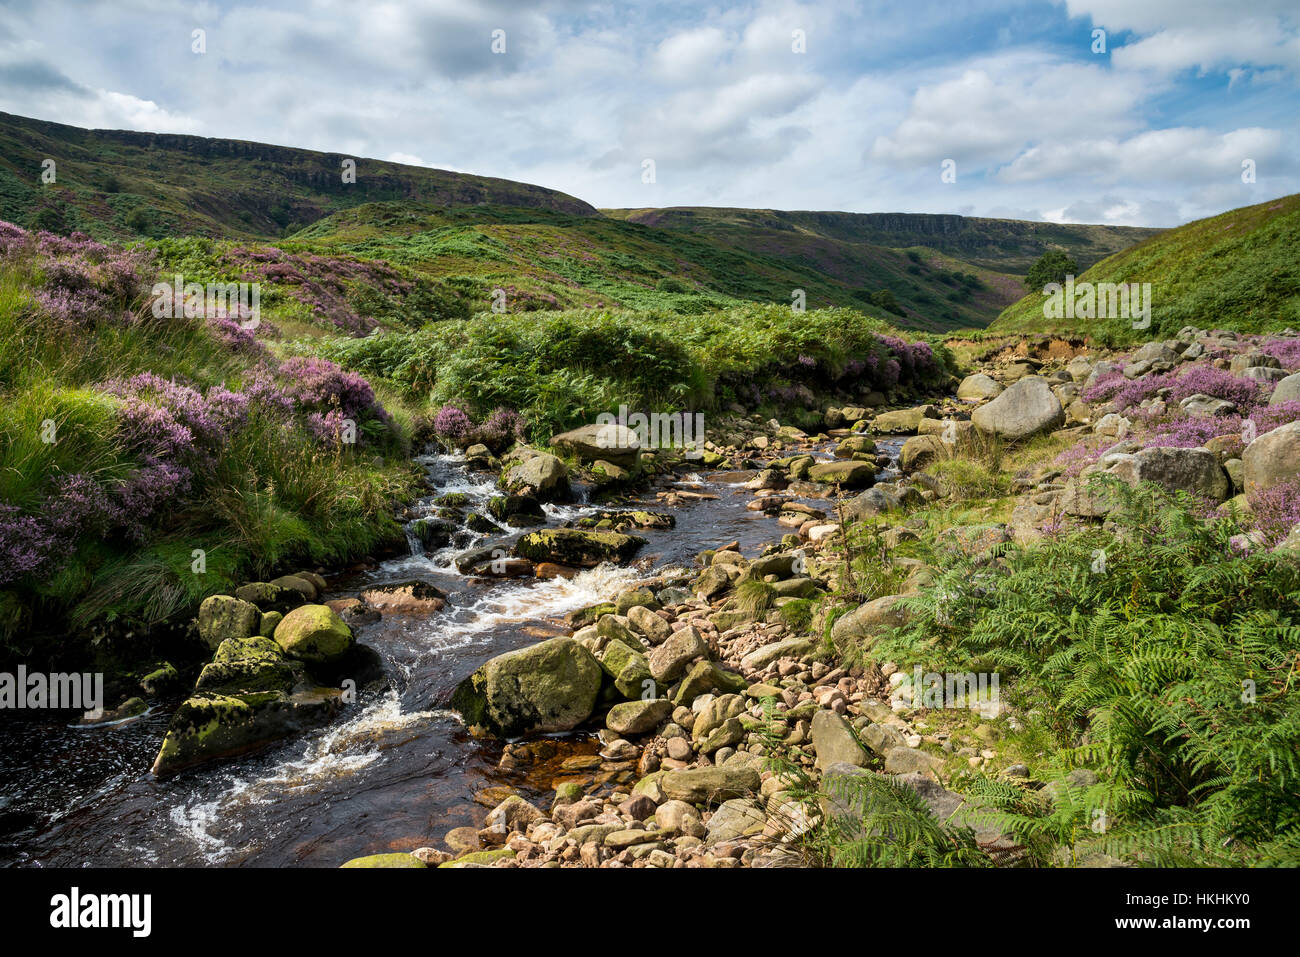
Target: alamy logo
x,y
60,692
1102,300
932,689
240,301
74,910
657,430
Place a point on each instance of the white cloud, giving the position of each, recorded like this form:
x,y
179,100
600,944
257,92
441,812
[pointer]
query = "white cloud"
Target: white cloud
x,y
998,105
1157,156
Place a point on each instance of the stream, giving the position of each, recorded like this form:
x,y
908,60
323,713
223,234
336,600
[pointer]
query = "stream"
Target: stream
x,y
395,770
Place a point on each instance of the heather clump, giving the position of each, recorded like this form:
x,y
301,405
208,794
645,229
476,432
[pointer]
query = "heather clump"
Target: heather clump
x,y
1198,379
1276,512
451,423
84,283
1285,350
501,429
331,395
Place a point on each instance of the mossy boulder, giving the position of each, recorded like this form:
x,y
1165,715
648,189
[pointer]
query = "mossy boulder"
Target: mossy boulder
x,y
626,666
585,548
480,858
517,510
270,621
547,687
270,597
385,860
314,634
705,677
853,444
225,616
638,717
611,443
243,665
620,521
847,473
432,533
161,679
209,725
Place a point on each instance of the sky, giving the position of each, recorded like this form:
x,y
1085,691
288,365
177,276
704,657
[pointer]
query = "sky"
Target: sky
x,y
1019,109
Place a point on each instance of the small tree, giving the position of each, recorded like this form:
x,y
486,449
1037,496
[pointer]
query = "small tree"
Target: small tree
x,y
884,298
1052,266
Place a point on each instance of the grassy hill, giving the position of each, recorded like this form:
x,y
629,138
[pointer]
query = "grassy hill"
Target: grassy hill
x,y
1239,270
1001,245
544,259
120,184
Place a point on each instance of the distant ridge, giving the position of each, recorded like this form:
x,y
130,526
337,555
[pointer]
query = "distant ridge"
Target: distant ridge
x,y
1006,245
197,184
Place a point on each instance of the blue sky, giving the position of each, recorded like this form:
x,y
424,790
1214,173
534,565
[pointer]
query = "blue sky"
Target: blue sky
x,y
1037,125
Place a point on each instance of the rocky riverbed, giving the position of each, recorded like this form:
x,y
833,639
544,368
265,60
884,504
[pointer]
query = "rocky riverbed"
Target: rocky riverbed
x,y
601,657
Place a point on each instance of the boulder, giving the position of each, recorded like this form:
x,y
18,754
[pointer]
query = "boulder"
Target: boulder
x,y
834,742
210,725
705,677
1025,409
269,597
517,509
869,618
582,547
1080,368
913,761
1264,374
654,628
613,443
638,717
678,817
224,616
854,444
385,860
547,687
902,421
710,785
627,666
1155,352
1206,406
715,714
1179,470
1252,360
669,660
543,476
299,583
734,819
760,658
849,474
247,665
1287,390
1271,460
874,501
979,386
314,634
920,451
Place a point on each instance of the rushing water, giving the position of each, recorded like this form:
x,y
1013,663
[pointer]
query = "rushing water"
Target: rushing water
x,y
394,774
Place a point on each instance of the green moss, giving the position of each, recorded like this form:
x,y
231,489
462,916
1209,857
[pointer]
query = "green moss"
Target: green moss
x,y
385,860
